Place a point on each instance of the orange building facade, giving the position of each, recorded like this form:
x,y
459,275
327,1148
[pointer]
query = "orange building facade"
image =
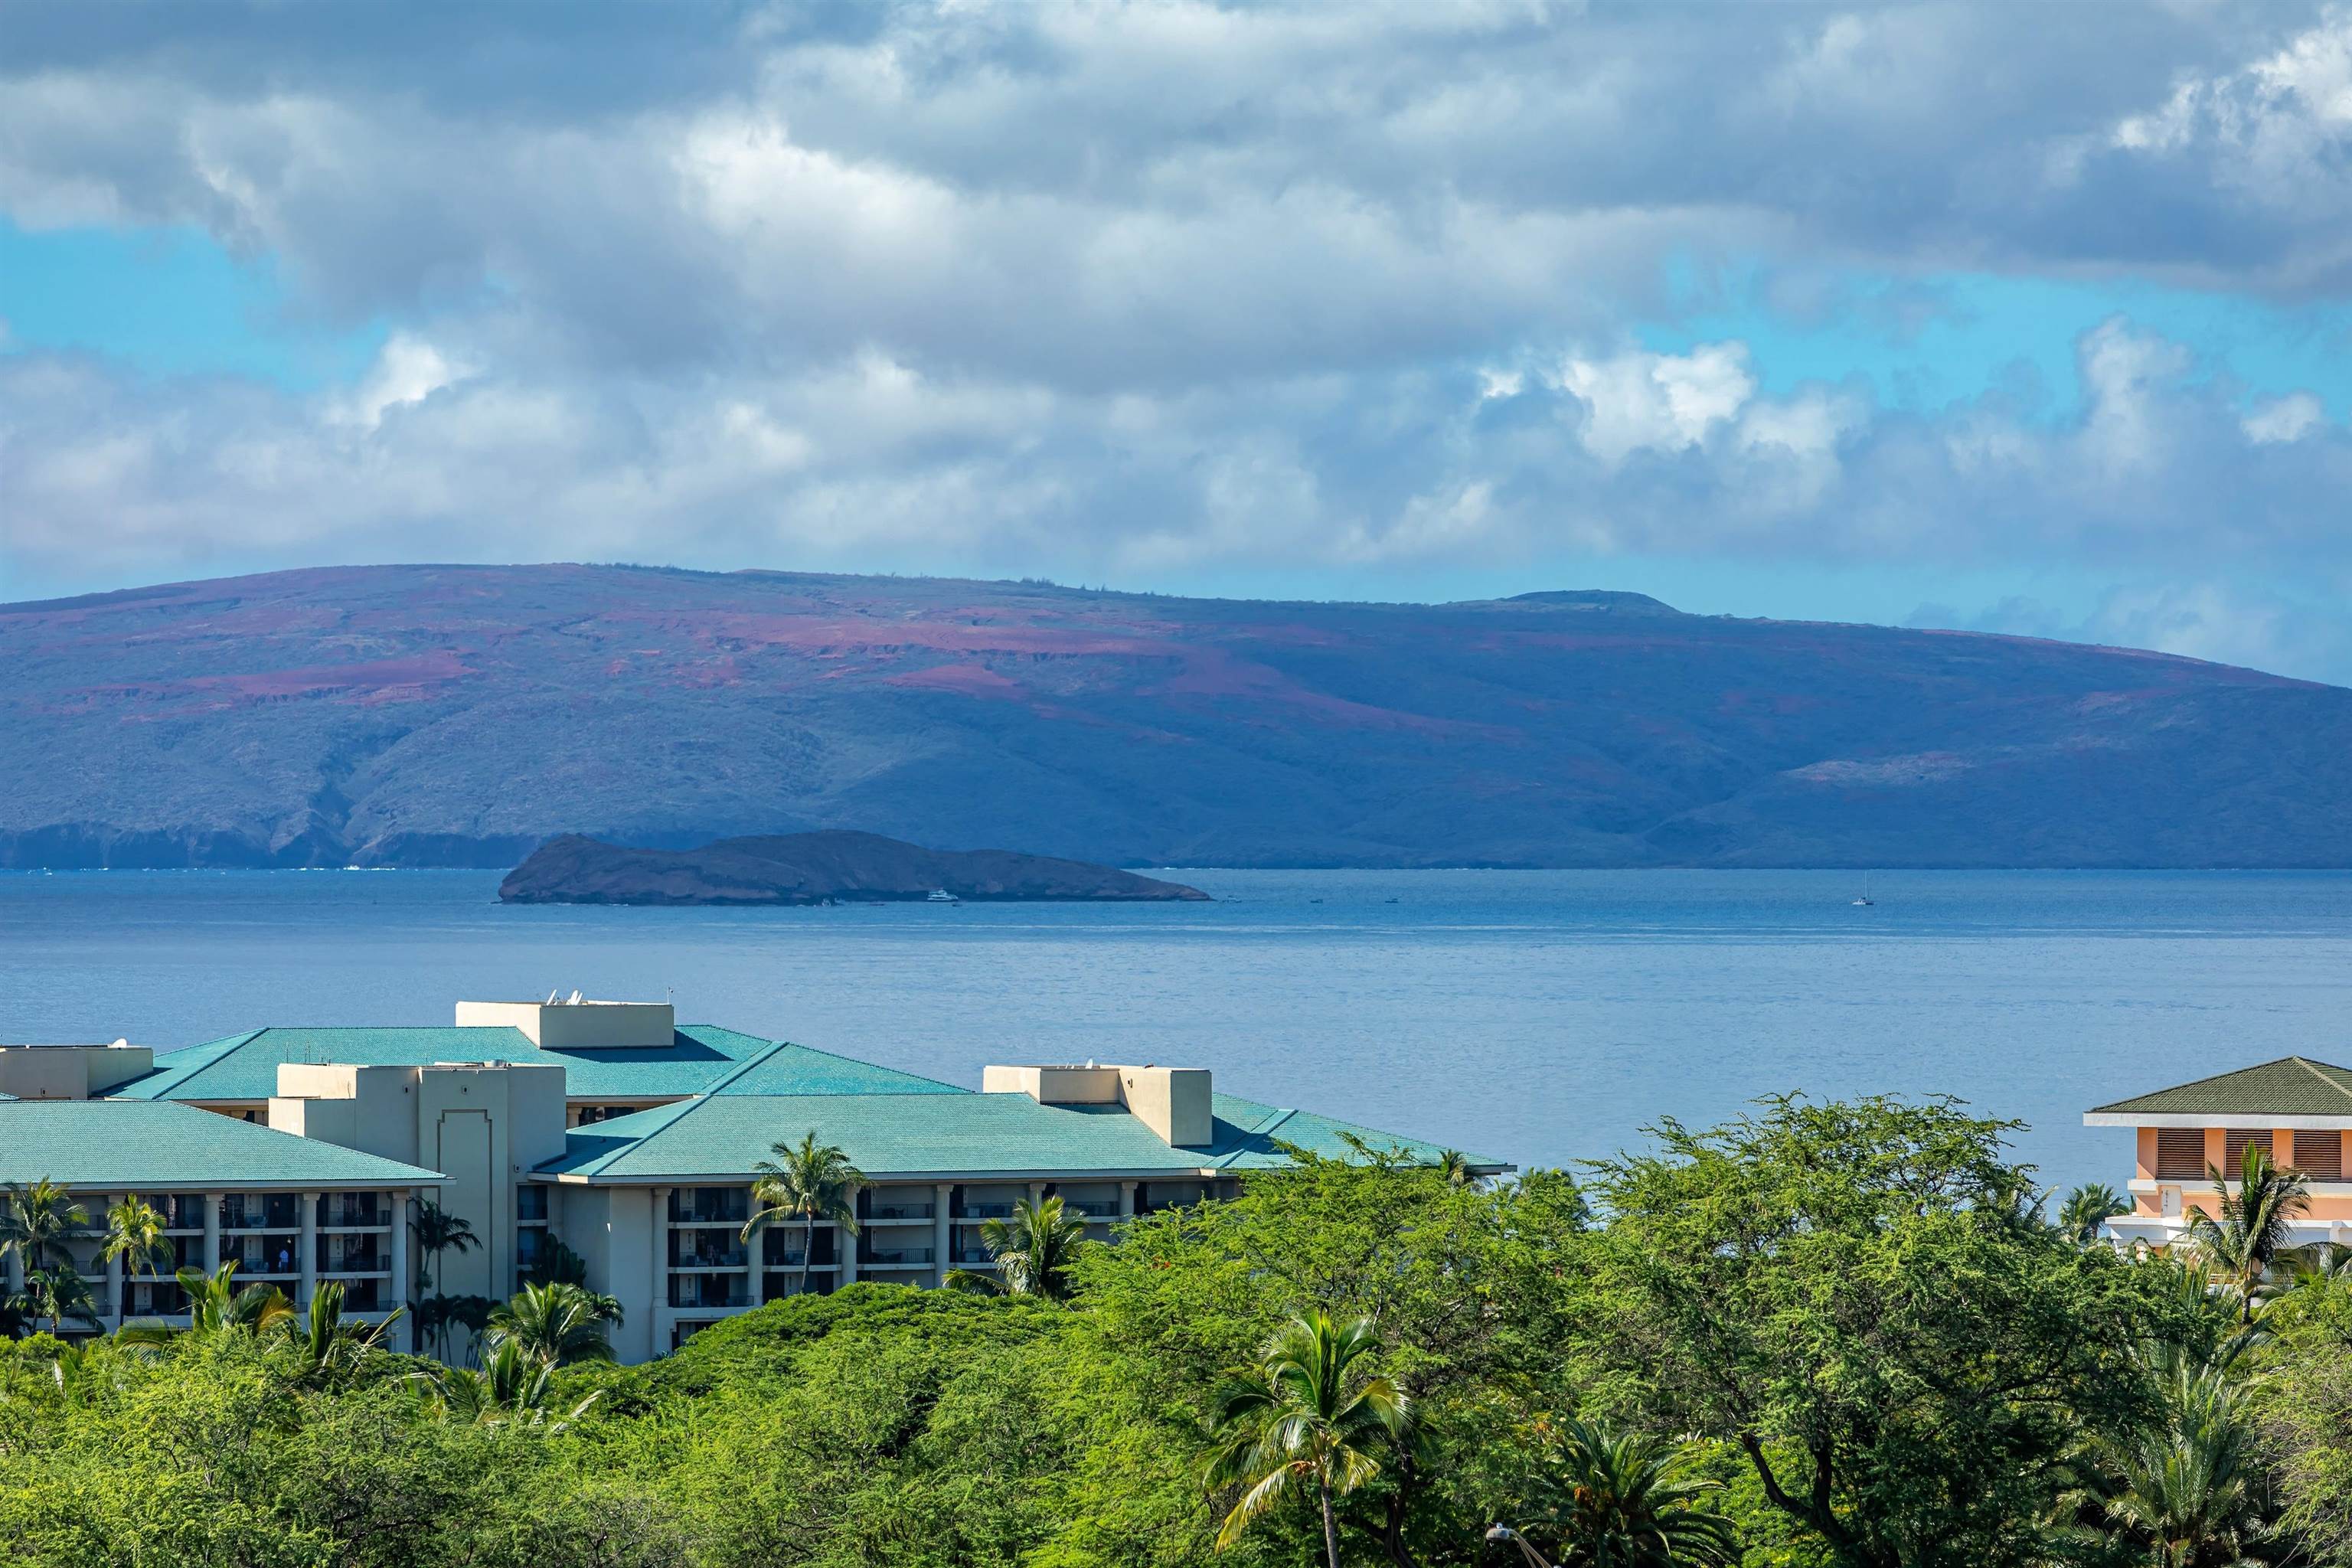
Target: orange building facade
x,y
2298,1111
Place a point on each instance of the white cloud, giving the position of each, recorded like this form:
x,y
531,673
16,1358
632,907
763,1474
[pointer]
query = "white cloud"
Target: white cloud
x,y
407,370
2288,418
1110,291
1661,403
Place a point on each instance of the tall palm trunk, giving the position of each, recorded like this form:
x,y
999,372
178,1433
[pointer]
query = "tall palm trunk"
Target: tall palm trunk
x,y
1330,1525
808,1248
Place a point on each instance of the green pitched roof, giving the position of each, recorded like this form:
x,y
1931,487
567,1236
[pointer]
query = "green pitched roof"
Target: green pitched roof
x,y
901,1134
2291,1086
244,1067
803,1069
149,1144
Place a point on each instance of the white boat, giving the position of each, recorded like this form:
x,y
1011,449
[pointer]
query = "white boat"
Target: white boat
x,y
1865,901
941,895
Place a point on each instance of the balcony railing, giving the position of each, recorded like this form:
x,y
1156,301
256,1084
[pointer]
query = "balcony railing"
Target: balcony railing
x,y
706,1249
709,1206
896,1258
354,1210
707,1291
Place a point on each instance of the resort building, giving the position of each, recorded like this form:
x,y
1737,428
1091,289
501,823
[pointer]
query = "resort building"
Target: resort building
x,y
610,1129
2297,1110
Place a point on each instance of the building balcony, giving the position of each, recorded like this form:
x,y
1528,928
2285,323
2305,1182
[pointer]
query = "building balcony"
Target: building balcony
x,y
896,1258
707,1249
707,1291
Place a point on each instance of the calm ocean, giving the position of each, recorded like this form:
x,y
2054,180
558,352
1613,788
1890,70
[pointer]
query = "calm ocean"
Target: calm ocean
x,y
1542,1017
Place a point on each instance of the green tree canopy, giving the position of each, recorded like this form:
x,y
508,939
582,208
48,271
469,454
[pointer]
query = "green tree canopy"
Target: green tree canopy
x,y
1849,1294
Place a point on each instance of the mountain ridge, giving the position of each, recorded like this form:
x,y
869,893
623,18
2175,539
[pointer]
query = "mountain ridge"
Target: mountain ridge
x,y
461,715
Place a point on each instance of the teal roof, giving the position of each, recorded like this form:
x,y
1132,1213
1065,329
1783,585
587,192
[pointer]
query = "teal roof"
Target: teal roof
x,y
152,1144
802,1070
916,1134
244,1067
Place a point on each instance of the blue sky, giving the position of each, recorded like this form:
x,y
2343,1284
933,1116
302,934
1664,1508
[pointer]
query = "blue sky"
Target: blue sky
x,y
1883,312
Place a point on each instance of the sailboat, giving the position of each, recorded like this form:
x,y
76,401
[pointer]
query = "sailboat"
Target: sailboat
x,y
1865,901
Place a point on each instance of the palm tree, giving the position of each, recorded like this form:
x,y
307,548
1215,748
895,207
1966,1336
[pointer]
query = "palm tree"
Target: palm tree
x,y
1310,1413
2182,1488
2086,1211
557,1324
59,1292
1455,1166
40,1219
1627,1500
325,1343
135,1233
808,1182
438,1231
512,1386
215,1306
1033,1251
2254,1227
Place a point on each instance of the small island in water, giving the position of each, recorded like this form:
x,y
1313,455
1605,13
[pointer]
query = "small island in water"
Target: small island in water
x,y
813,868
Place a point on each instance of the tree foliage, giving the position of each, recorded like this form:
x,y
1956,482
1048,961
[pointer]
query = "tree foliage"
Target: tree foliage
x,y
1822,1336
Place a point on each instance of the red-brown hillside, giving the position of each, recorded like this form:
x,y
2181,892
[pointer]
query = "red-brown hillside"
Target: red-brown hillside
x,y
459,715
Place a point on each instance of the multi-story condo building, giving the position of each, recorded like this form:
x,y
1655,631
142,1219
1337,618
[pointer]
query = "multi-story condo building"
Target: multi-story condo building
x,y
2297,1110
606,1127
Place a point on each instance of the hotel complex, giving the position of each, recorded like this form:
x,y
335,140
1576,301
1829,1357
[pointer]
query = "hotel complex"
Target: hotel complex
x,y
2298,1111
300,1153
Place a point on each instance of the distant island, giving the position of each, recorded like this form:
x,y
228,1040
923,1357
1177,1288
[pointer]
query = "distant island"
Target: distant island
x,y
463,715
832,867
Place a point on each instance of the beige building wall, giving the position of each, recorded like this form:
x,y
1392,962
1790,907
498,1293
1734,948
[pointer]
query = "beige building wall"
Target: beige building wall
x,y
577,1026
70,1072
484,1128
1173,1101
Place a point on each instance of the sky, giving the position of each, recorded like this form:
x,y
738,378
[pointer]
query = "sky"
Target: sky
x,y
2032,319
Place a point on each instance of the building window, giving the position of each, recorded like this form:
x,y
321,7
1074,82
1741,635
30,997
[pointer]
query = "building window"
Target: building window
x,y
2320,1155
2180,1153
2233,1149
350,1210
709,1206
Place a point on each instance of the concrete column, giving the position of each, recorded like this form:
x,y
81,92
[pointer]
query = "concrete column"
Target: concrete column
x,y
114,1285
1036,1191
310,1249
943,1232
1126,1200
754,1250
397,1246
659,1230
211,1231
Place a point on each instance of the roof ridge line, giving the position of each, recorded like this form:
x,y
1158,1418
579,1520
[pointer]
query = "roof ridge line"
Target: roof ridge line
x,y
861,1062
2307,1064
177,1075
746,1064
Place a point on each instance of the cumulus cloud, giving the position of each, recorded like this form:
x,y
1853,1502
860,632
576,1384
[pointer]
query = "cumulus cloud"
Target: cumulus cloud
x,y
2288,418
1115,290
1661,403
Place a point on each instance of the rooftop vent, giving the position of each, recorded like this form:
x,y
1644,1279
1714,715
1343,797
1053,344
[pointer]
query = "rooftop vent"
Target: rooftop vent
x,y
1173,1101
577,1024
